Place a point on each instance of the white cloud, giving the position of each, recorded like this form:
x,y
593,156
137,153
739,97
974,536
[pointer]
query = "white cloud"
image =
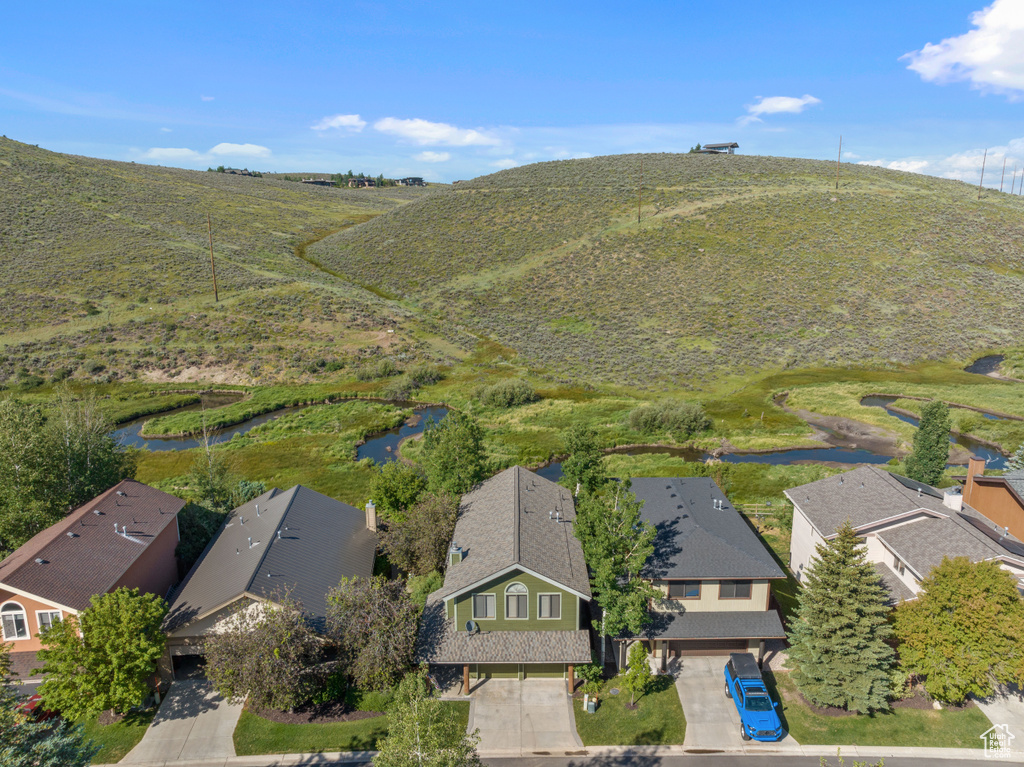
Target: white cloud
x,y
505,164
206,98
428,133
910,166
966,165
165,130
990,57
353,123
770,105
240,150
433,157
172,154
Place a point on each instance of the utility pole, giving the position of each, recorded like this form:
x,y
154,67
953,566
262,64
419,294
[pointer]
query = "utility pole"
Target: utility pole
x,y
640,191
213,268
1002,176
984,157
838,158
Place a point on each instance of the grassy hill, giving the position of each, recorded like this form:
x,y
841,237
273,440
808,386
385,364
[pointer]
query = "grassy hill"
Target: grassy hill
x,y
104,271
740,264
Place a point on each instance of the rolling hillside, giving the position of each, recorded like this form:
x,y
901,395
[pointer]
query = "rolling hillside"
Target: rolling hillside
x,y
740,264
104,271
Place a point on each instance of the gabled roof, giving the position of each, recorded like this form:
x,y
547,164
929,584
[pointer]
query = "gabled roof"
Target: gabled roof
x,y
506,522
696,540
82,555
1015,479
726,145
298,540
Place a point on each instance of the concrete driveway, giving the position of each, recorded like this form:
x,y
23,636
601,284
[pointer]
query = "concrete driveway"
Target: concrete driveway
x,y
520,717
1006,707
711,718
193,722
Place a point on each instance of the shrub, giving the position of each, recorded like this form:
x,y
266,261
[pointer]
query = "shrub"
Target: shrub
x,y
422,586
508,393
381,369
681,419
424,375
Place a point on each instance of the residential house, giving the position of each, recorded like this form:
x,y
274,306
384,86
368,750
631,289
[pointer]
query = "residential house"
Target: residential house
x,y
1000,499
908,527
728,147
712,569
516,589
124,537
362,182
411,181
298,541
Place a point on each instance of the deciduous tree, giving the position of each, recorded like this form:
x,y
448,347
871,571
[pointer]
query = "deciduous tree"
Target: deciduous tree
x,y
111,665
374,622
931,444
584,465
423,731
268,652
453,453
419,544
838,641
964,631
394,488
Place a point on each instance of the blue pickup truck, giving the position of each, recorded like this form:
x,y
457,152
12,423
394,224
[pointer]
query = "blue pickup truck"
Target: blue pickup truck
x,y
743,683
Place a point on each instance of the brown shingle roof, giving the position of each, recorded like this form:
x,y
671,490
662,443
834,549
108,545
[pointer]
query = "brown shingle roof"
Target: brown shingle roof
x,y
82,555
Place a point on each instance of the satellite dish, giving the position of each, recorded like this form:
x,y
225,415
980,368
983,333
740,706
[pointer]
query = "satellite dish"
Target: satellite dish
x,y
471,626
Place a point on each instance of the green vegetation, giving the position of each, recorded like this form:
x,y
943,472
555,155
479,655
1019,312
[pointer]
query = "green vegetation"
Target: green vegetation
x,y
395,488
926,728
931,445
255,735
508,393
117,739
657,720
453,453
680,419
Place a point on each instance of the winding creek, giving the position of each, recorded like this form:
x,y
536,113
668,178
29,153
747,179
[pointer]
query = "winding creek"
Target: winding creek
x,y
383,446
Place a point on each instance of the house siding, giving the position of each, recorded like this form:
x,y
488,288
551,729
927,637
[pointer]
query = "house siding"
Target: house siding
x,y
803,540
710,602
32,644
156,569
997,503
463,607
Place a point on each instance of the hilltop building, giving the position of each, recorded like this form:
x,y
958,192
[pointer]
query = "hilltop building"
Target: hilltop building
x,y
729,147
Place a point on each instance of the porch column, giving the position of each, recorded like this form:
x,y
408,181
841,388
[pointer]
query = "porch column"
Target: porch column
x,y
760,654
572,679
664,655
465,679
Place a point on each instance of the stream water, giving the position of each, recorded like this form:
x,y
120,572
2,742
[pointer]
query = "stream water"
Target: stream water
x,y
985,365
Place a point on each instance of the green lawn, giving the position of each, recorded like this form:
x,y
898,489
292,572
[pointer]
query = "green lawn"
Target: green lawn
x,y
255,735
116,739
900,727
657,721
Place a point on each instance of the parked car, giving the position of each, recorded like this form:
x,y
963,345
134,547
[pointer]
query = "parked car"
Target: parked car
x,y
743,683
32,708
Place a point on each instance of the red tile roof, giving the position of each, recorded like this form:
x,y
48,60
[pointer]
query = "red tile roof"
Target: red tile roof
x,y
82,555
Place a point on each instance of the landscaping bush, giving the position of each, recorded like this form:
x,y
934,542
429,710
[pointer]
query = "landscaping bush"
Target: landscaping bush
x,y
422,586
508,393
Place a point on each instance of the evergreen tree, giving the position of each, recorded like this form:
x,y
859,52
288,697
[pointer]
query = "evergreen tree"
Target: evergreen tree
x,y
584,464
423,731
931,444
453,453
638,672
1016,461
838,642
964,631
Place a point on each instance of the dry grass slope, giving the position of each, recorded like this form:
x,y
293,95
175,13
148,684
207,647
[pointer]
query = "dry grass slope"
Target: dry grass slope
x,y
741,264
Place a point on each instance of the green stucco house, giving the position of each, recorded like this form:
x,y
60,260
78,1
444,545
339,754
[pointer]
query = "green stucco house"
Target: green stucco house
x,y
516,590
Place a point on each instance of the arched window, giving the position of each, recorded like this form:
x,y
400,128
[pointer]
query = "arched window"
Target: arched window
x,y
516,601
15,624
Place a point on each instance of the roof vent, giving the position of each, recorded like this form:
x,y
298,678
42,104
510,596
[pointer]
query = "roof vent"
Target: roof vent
x,y
257,509
40,561
122,493
919,491
72,535
97,512
840,480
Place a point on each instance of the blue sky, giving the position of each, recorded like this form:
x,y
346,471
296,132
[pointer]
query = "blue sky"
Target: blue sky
x,y
450,90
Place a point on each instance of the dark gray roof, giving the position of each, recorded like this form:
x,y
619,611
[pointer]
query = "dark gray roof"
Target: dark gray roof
x,y
726,145
506,521
440,642
299,540
1015,479
752,624
695,539
863,496
898,590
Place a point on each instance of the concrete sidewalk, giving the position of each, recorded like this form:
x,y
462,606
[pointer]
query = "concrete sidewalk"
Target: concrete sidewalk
x,y
193,722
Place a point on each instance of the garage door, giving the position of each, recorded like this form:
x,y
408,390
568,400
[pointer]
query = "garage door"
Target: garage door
x,y
543,671
680,647
497,671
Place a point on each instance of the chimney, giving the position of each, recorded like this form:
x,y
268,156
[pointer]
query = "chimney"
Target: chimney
x,y
975,468
454,554
371,516
952,499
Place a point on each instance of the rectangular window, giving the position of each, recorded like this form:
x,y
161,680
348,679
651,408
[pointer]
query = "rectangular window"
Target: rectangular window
x,y
734,590
14,625
898,566
483,606
46,618
684,589
550,606
515,606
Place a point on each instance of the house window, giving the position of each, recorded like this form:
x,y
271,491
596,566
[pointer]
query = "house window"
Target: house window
x,y
684,589
15,624
46,618
550,606
516,596
898,565
483,606
734,590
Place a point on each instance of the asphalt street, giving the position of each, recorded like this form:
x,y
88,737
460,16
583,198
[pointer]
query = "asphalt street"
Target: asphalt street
x,y
718,760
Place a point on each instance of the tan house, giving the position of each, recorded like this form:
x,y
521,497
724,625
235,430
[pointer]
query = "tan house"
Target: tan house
x,y
1000,499
714,572
124,537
